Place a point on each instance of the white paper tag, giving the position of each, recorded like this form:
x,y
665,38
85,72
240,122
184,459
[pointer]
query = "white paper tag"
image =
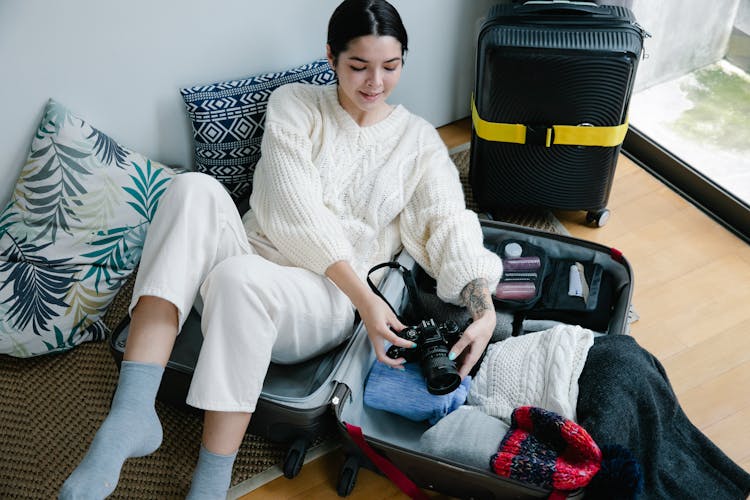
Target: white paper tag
x,y
578,286
575,287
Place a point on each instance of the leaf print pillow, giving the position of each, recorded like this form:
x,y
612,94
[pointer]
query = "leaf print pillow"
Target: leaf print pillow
x,y
71,234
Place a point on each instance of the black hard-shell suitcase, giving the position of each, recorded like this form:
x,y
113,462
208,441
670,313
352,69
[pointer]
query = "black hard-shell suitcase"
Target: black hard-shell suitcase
x,y
552,90
301,402
397,439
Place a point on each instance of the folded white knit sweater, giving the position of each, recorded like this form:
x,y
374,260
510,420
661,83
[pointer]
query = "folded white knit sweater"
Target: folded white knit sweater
x,y
538,369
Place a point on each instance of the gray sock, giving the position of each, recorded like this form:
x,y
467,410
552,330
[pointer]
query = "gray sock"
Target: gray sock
x,y
132,429
212,476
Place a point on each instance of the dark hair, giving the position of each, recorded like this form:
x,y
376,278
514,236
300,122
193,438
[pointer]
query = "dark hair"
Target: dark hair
x,y
355,18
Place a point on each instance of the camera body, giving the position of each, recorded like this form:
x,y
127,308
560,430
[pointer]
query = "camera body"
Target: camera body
x,y
433,345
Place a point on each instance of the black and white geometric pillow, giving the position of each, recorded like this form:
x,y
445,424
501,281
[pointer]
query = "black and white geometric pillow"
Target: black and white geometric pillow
x,y
228,119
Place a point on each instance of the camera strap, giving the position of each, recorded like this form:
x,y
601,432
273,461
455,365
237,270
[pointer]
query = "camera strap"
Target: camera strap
x,y
411,288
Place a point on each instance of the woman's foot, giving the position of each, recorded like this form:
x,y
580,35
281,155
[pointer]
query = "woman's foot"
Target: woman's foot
x,y
132,429
212,476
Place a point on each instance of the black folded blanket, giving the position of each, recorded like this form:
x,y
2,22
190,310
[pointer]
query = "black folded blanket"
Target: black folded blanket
x,y
626,399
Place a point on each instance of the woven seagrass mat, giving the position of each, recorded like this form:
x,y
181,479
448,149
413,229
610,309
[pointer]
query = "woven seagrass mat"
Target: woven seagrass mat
x,y
51,406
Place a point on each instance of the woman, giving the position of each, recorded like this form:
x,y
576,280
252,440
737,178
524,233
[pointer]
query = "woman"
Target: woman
x,y
344,181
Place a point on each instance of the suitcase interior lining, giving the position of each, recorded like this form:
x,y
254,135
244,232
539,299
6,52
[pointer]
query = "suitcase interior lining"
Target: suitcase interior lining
x,y
404,433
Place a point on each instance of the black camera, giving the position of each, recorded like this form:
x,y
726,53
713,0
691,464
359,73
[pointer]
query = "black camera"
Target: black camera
x,y
433,345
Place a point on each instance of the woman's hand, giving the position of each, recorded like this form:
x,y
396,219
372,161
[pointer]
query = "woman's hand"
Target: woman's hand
x,y
381,324
379,319
474,340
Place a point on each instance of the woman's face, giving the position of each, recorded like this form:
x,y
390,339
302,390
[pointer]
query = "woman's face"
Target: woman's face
x,y
368,71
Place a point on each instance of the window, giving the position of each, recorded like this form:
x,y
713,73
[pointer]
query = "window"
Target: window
x,y
690,112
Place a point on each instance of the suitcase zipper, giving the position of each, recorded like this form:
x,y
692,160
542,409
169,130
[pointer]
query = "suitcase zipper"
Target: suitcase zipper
x,y
620,22
644,34
341,394
615,21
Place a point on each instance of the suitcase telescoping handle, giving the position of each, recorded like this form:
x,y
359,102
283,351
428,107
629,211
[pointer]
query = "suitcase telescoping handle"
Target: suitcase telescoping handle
x,y
562,7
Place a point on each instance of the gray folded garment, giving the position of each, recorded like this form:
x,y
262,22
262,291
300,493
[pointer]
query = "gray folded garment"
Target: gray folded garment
x,y
442,311
538,325
467,436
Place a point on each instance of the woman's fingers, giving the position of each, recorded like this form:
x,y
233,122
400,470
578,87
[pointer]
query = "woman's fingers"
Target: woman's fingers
x,y
470,346
468,362
380,352
463,347
389,333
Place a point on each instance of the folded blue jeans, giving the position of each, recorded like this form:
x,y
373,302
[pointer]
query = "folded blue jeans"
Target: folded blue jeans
x,y
404,392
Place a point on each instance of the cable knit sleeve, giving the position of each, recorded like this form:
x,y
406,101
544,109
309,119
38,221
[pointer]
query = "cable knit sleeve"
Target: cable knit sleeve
x,y
438,231
287,196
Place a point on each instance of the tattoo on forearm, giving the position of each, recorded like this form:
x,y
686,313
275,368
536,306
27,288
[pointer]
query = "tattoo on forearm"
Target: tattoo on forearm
x,y
476,296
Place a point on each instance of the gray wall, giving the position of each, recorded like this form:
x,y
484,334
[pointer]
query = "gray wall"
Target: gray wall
x,y
686,35
738,52
120,64
743,17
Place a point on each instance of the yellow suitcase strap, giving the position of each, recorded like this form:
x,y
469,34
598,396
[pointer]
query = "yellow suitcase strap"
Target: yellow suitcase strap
x,y
563,135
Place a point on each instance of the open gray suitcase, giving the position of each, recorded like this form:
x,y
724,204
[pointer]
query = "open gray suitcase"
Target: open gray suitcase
x,y
300,402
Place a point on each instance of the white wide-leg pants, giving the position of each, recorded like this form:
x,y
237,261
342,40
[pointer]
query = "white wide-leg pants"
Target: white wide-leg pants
x,y
254,310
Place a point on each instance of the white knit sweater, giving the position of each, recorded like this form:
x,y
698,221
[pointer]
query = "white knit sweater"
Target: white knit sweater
x,y
327,190
537,369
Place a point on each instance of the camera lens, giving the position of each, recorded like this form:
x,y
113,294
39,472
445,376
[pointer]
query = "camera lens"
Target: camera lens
x,y
439,371
443,382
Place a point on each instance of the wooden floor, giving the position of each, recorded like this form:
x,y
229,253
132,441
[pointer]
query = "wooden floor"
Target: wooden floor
x,y
692,293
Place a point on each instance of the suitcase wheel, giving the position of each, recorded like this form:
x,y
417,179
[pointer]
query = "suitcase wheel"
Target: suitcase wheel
x,y
598,217
348,476
295,458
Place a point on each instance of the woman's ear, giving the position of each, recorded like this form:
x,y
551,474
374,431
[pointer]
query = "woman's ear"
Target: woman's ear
x,y
329,55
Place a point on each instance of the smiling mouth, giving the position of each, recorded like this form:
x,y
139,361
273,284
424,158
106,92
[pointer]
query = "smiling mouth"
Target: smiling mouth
x,y
370,97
